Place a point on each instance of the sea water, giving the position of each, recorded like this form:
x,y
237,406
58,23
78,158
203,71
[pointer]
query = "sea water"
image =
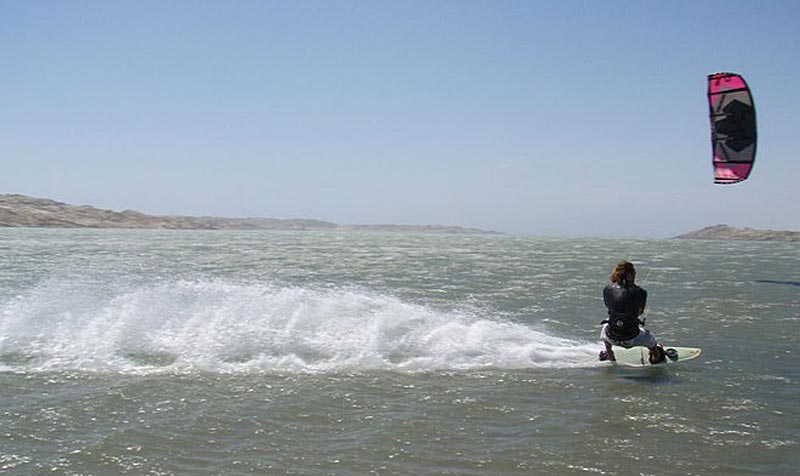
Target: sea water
x,y
345,353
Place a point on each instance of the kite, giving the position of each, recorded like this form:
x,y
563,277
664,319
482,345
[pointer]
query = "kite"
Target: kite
x,y
733,127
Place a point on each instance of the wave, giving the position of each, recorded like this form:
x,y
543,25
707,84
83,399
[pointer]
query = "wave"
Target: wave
x,y
217,326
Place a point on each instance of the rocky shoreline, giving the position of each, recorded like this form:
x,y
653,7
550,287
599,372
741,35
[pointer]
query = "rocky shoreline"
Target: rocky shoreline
x,y
23,211
725,232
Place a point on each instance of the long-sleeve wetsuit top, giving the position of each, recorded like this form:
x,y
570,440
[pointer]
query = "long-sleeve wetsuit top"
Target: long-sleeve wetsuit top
x,y
625,304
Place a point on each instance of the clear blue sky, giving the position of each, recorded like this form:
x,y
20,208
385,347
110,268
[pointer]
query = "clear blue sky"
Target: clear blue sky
x,y
564,118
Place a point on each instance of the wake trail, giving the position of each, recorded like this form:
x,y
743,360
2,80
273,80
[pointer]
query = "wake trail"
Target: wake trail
x,y
217,326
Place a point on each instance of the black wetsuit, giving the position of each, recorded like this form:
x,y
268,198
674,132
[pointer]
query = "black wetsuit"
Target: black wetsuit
x,y
624,304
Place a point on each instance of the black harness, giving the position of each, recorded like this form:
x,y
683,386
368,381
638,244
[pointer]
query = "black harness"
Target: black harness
x,y
622,326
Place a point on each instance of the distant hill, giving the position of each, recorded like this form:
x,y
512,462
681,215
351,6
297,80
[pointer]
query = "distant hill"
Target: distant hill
x,y
24,211
725,232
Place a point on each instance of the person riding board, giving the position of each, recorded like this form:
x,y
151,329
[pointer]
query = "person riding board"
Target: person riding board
x,y
626,302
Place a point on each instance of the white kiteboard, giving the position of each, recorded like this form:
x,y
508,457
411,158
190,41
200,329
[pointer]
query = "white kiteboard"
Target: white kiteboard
x,y
640,356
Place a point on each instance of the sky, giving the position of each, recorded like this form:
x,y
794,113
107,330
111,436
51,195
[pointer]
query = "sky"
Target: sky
x,y
545,118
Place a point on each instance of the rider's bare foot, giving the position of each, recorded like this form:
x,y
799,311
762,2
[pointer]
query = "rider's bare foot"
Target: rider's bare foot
x,y
607,355
657,354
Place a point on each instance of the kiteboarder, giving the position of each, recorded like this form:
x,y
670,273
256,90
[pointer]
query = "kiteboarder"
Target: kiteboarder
x,y
626,302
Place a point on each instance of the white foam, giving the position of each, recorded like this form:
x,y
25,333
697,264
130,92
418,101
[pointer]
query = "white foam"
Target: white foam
x,y
230,327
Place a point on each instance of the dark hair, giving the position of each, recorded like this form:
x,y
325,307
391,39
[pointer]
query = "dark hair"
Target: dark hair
x,y
623,274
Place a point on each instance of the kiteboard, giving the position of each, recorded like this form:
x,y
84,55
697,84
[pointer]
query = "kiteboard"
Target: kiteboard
x,y
639,357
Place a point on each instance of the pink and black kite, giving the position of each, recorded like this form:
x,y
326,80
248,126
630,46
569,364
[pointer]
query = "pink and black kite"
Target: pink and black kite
x,y
733,127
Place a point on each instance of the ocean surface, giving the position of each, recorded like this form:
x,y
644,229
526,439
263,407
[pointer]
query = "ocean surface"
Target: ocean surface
x,y
325,353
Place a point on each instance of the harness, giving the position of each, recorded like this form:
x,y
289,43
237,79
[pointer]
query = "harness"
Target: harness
x,y
622,326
